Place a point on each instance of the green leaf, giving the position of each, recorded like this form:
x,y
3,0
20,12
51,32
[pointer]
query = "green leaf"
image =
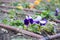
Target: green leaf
x,y
16,3
16,23
12,12
25,5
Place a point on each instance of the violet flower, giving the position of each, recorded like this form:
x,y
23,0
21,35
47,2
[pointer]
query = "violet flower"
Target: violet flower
x,y
56,12
30,19
43,22
37,20
26,21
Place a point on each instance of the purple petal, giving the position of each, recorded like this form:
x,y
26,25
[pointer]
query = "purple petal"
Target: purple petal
x,y
37,22
56,13
43,22
26,22
38,18
31,21
57,9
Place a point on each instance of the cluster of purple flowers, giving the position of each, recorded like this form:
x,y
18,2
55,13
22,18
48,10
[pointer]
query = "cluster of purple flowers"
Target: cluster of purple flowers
x,y
37,20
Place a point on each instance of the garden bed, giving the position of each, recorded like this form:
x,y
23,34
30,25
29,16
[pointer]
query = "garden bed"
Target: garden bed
x,y
15,16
